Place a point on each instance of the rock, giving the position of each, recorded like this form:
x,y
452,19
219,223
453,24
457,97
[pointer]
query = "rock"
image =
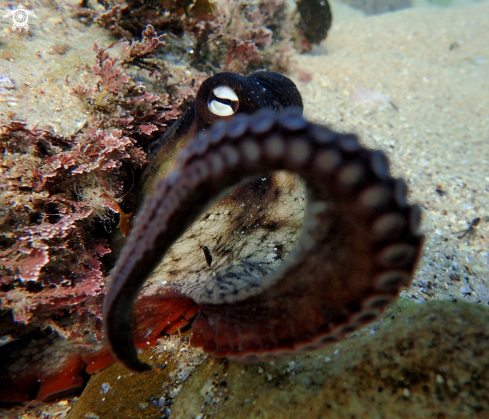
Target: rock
x,y
422,360
118,393
374,7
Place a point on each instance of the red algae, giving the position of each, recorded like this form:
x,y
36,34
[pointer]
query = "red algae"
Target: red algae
x,y
66,194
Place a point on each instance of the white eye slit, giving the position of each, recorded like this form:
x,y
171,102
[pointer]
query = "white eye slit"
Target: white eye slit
x,y
225,92
223,101
220,109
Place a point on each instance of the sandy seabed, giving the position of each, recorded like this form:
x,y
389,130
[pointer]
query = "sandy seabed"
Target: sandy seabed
x,y
414,83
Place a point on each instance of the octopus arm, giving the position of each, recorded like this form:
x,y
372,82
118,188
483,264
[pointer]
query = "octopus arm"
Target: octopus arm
x,y
358,247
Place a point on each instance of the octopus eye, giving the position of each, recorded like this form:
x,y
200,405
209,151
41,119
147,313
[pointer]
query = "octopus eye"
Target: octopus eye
x,y
223,101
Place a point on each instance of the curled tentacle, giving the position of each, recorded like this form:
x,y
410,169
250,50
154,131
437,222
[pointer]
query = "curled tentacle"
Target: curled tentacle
x,y
358,247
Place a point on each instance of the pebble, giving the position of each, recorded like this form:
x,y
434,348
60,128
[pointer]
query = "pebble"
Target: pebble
x,y
6,82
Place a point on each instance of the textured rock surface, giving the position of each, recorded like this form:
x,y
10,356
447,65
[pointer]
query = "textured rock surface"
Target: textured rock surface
x,y
425,360
118,393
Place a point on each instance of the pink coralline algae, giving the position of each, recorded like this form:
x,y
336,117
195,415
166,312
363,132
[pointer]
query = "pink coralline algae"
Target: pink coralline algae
x,y
59,194
58,199
48,259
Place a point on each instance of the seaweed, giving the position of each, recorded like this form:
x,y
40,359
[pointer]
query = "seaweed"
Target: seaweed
x,y
128,19
48,255
120,101
227,35
244,37
61,196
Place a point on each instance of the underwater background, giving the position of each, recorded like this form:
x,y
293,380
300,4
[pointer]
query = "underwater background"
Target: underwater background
x,y
89,88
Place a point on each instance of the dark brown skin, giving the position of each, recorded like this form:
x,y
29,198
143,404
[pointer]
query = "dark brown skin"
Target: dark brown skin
x,y
263,89
359,244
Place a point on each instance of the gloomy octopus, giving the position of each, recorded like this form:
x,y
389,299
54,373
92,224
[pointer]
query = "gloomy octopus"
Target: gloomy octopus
x,y
315,240
263,275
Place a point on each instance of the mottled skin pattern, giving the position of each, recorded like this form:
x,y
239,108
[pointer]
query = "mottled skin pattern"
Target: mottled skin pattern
x,y
358,247
268,209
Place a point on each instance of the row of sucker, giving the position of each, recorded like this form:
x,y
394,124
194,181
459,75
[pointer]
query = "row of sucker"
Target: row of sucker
x,y
358,223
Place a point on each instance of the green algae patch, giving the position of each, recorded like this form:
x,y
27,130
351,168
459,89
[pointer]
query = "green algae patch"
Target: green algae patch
x,y
421,360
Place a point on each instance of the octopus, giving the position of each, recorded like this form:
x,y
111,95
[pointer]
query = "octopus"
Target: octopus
x,y
348,238
267,234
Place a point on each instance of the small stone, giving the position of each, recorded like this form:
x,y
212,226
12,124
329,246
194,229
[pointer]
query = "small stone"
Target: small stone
x,y
144,405
105,388
6,82
54,20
